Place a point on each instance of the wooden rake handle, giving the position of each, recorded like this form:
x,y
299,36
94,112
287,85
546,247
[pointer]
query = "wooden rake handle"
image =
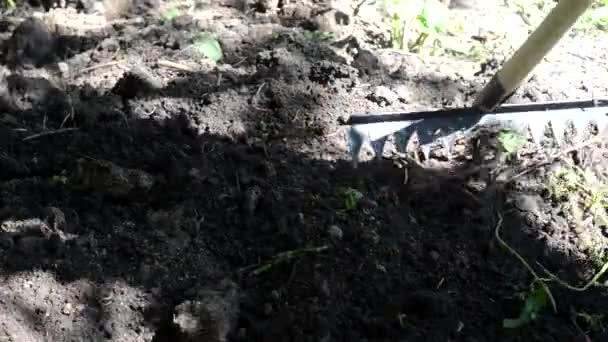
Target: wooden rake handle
x,y
534,49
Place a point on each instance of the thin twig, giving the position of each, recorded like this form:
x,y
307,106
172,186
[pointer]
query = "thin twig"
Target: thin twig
x,y
99,66
71,114
47,133
254,101
183,50
239,62
116,53
524,262
257,93
591,282
283,257
131,21
173,65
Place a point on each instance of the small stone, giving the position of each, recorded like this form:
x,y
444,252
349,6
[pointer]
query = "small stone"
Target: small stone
x,y
182,22
136,82
267,309
67,309
300,218
209,317
434,255
369,203
251,199
55,218
335,232
110,45
31,44
371,236
64,69
366,61
383,96
404,94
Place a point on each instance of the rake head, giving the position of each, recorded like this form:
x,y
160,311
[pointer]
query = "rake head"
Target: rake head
x,y
445,126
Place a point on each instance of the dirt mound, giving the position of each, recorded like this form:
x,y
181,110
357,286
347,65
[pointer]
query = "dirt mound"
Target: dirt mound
x,y
149,194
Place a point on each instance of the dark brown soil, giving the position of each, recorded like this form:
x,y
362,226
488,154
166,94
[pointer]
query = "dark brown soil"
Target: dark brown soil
x,y
154,202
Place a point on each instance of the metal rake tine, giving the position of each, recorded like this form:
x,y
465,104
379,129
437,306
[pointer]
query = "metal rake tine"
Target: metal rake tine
x,y
355,142
558,127
426,151
403,139
378,146
580,126
448,144
375,134
537,130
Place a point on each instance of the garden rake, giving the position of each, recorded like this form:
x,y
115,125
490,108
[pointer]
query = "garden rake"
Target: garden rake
x,y
445,126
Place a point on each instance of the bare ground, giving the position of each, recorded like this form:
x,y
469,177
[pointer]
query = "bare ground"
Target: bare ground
x,y
141,202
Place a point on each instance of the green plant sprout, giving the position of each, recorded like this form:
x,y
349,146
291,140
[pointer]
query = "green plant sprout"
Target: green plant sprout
x,y
536,299
58,180
424,17
319,35
171,13
393,10
281,258
209,47
432,22
351,199
593,321
563,182
596,18
509,142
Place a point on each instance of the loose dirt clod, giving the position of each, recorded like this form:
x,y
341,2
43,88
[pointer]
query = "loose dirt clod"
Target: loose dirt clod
x,y
209,317
31,45
110,179
117,9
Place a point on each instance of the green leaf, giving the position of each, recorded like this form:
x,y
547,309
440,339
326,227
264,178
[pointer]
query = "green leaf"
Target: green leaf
x,y
209,47
171,13
351,198
433,16
536,301
510,140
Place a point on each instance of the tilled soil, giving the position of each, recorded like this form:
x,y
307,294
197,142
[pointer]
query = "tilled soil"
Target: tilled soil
x,y
143,202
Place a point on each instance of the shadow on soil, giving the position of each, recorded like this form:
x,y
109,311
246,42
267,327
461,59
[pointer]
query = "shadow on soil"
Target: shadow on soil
x,y
128,217
153,213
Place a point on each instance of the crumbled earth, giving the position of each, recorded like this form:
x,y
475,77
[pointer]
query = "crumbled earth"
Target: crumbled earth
x,y
149,194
